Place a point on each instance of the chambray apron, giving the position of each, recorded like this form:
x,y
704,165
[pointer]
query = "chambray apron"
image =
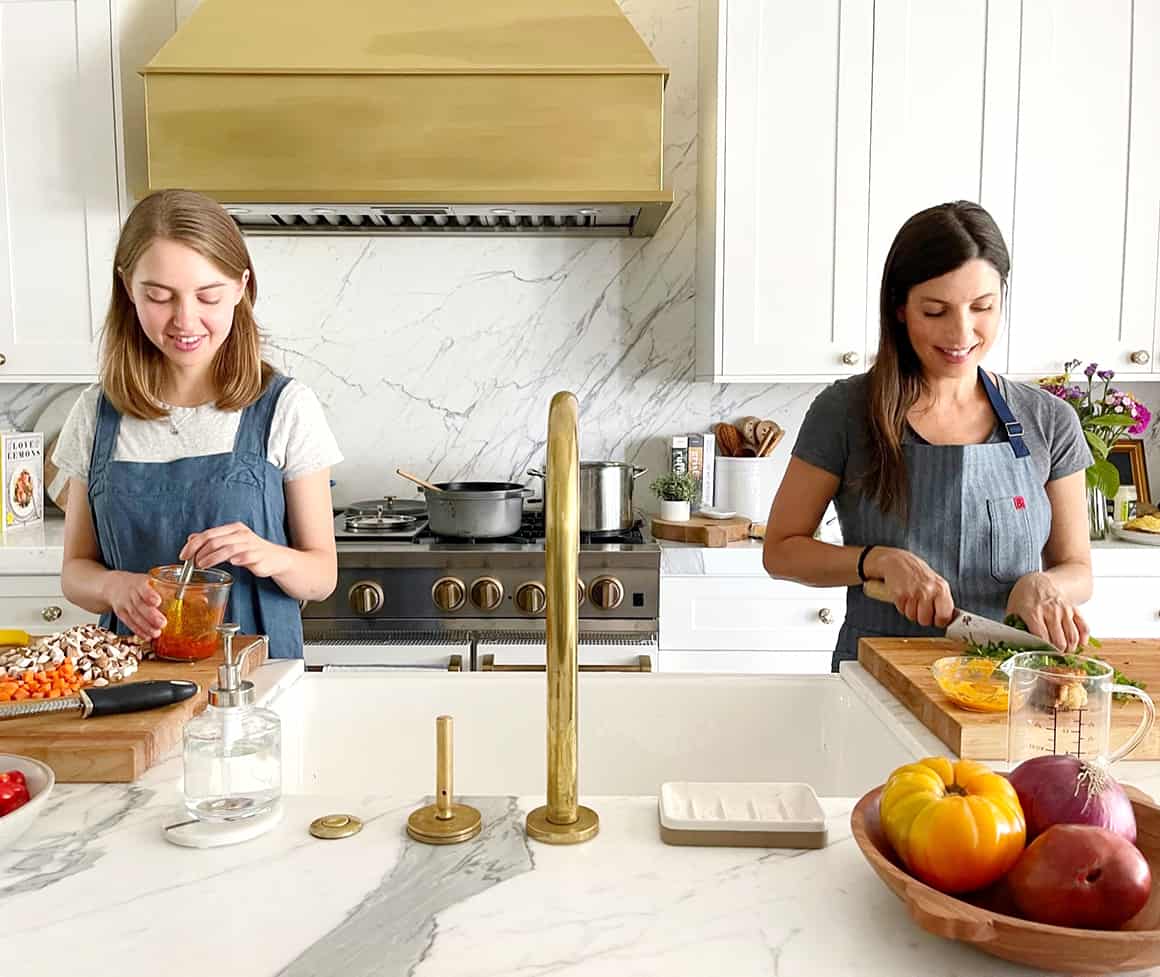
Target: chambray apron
x,y
143,512
977,514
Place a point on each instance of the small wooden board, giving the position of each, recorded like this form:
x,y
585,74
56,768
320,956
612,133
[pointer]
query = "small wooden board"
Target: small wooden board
x,y
118,749
902,665
702,530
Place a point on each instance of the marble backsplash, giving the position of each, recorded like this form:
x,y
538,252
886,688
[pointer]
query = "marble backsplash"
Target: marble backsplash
x,y
442,355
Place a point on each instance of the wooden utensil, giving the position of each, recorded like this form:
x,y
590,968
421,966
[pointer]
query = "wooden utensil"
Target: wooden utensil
x,y
763,429
748,428
417,480
728,440
770,441
986,920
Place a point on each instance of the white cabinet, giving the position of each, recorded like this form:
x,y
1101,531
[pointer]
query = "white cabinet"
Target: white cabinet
x,y
823,126
36,604
1087,186
59,200
782,213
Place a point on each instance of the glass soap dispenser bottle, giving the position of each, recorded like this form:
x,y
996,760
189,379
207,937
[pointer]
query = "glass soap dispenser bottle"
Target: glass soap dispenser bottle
x,y
233,750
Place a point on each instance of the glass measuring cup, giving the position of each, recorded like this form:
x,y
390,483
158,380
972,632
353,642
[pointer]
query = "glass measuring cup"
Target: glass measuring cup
x,y
1062,704
190,632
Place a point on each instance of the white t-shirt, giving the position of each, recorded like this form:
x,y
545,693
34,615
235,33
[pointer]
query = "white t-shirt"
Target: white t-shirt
x,y
300,440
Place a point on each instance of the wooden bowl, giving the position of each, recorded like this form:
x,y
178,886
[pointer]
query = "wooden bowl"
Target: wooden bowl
x,y
986,919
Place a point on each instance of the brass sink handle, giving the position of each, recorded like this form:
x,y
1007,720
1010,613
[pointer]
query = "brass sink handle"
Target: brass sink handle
x,y
444,822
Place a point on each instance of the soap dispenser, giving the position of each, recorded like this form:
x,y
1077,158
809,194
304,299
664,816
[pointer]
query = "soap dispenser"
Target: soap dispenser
x,y
233,750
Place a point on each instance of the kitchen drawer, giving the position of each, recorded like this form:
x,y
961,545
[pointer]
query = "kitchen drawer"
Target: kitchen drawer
x,y
748,614
1123,607
747,662
42,615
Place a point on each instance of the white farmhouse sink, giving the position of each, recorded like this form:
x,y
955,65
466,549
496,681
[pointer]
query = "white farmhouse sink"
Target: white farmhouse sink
x,y
345,732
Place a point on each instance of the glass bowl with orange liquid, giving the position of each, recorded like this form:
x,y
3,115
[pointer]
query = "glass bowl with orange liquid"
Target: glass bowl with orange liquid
x,y
973,682
190,632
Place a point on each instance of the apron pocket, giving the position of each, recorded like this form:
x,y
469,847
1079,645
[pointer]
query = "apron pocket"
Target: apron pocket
x,y
1012,554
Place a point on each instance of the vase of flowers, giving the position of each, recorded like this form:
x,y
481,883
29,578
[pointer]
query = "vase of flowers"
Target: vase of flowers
x,y
1105,415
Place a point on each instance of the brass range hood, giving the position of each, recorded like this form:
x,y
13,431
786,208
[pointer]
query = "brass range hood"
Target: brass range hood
x,y
412,116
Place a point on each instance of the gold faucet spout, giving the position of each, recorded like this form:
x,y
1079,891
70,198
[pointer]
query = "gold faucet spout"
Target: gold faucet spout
x,y
562,821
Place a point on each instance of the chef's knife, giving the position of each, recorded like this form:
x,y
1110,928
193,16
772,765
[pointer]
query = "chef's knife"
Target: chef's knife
x,y
106,701
971,627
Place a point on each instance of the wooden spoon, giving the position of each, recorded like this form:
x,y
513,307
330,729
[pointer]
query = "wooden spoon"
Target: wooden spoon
x,y
770,442
417,480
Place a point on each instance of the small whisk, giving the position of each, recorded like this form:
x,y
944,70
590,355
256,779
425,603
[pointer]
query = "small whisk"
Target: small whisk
x,y
183,579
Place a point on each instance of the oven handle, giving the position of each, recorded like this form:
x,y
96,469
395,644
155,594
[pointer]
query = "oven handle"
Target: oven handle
x,y
643,664
454,664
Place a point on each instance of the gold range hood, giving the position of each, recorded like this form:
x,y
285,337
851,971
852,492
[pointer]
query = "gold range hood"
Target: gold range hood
x,y
412,116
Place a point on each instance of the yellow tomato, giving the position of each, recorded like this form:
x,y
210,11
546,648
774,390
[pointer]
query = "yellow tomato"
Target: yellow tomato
x,y
956,825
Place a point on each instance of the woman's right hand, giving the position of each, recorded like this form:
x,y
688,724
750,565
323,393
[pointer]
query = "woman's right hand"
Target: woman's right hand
x,y
920,594
136,604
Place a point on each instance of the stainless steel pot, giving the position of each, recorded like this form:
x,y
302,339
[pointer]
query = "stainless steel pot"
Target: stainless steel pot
x,y
476,510
605,495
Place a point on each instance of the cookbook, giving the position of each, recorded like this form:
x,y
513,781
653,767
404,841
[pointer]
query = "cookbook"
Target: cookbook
x,y
22,476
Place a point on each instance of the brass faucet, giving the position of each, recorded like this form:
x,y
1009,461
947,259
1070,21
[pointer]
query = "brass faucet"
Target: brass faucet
x,y
562,821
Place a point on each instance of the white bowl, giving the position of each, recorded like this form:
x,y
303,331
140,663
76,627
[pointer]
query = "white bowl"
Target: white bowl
x,y
40,779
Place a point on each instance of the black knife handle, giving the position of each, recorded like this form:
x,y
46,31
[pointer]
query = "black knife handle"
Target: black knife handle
x,y
137,696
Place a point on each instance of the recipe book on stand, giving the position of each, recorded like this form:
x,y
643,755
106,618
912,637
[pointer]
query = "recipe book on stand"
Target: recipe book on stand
x,y
695,455
22,479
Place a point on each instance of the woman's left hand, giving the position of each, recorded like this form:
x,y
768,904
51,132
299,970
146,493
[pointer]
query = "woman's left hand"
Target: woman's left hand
x,y
236,544
1045,611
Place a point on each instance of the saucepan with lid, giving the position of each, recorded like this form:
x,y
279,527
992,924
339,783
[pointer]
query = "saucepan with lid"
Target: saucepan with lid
x,y
473,510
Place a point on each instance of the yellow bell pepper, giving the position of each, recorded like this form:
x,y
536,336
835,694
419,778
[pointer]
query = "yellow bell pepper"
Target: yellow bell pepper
x,y
957,826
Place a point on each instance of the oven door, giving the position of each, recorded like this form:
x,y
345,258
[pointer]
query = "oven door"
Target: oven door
x,y
512,651
388,650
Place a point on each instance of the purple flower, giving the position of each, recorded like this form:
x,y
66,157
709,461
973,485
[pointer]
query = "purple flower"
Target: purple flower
x,y
1090,370
1106,374
1141,424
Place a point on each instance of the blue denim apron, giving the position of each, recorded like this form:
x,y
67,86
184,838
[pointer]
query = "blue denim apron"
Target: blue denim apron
x,y
977,515
144,511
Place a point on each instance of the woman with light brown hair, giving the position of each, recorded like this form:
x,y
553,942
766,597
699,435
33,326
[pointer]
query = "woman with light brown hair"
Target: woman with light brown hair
x,y
953,485
191,446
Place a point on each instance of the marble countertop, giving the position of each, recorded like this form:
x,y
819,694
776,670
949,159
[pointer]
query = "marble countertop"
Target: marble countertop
x,y
96,874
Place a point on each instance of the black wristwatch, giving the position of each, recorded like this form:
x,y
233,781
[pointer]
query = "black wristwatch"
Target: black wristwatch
x,y
862,561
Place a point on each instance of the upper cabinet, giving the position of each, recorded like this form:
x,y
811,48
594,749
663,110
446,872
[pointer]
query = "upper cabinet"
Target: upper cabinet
x,y
825,125
59,186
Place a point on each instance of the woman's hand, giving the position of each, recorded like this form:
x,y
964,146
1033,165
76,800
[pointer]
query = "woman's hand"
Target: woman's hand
x,y
136,604
920,594
236,544
1047,614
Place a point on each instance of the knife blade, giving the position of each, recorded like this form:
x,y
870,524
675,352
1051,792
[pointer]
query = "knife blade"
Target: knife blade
x,y
973,628
106,701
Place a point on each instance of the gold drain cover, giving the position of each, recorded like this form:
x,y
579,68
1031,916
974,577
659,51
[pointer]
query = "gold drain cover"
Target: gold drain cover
x,y
336,826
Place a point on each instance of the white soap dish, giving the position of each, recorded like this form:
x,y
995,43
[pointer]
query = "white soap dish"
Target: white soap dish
x,y
715,513
757,815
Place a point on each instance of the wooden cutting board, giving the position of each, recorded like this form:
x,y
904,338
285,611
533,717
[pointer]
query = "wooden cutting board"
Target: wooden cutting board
x,y
702,530
902,665
118,749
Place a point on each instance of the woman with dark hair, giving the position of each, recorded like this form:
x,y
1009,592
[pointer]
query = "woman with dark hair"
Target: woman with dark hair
x,y
953,485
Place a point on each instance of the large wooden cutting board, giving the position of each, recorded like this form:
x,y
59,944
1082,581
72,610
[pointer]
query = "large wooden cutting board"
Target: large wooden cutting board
x,y
902,665
702,530
118,749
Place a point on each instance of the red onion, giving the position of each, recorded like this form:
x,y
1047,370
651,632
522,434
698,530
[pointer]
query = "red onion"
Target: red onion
x,y
1065,790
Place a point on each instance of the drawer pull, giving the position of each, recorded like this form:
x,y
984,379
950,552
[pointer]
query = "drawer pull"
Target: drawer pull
x,y
643,664
51,613
826,616
1140,357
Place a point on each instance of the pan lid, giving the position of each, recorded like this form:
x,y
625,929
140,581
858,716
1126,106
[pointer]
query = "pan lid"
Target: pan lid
x,y
388,505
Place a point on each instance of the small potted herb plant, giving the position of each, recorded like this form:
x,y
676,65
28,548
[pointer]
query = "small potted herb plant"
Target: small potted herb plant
x,y
675,491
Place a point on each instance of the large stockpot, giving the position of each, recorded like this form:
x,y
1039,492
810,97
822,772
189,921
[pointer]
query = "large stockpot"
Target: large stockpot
x,y
605,495
476,510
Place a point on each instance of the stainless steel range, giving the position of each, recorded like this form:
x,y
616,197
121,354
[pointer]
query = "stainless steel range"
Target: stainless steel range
x,y
407,599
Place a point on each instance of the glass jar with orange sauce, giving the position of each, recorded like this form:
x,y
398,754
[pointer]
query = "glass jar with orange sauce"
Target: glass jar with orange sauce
x,y
190,632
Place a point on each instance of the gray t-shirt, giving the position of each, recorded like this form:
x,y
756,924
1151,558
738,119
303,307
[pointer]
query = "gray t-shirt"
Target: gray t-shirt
x,y
835,434
300,440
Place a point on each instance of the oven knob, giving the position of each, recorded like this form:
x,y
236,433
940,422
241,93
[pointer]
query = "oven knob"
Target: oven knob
x,y
487,593
581,592
606,593
448,594
365,597
531,598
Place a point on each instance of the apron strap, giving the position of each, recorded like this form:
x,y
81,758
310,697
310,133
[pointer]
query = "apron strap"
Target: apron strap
x,y
1012,429
108,423
254,427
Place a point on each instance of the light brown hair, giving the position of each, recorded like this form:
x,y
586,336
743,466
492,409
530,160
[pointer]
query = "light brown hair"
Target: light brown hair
x,y
133,370
933,242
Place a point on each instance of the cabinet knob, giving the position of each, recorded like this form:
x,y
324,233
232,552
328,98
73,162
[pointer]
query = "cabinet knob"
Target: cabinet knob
x,y
3,359
851,358
51,613
1140,357
826,616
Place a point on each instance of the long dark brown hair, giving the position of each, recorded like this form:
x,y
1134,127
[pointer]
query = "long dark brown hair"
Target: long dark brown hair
x,y
133,370
933,242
